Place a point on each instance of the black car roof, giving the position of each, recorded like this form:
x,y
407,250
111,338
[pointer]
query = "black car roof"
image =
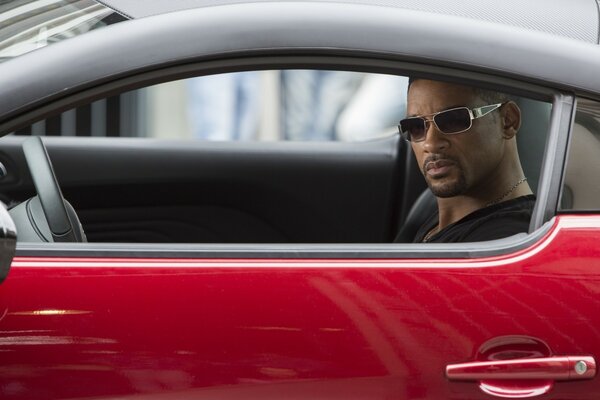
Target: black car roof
x,y
576,19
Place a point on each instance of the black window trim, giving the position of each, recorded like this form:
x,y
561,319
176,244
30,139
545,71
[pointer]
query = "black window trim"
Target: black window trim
x,y
542,222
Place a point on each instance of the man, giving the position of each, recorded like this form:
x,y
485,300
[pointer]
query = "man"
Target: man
x,y
464,140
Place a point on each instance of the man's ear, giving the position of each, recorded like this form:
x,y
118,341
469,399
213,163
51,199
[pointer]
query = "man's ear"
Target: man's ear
x,y
511,119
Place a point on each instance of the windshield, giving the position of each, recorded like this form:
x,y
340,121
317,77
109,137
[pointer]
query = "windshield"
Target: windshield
x,y
27,25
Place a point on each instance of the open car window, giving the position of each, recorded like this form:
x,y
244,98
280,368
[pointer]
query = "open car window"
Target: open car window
x,y
274,156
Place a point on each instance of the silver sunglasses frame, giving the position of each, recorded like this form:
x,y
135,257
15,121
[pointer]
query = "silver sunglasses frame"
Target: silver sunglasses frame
x,y
474,113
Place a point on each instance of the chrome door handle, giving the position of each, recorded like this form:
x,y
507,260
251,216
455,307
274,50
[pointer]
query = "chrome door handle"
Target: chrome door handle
x,y
555,368
526,377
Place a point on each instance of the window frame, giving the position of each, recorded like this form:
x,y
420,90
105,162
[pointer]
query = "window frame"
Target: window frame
x,y
543,215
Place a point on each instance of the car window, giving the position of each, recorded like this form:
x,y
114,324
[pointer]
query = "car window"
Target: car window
x,y
273,156
580,184
27,25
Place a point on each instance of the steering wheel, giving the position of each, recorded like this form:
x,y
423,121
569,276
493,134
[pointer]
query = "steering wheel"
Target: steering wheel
x,y
60,216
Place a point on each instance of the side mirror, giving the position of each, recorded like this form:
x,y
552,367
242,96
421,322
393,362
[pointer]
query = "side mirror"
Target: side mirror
x,y
8,241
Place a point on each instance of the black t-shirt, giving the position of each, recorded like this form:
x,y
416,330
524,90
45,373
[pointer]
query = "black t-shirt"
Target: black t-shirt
x,y
493,222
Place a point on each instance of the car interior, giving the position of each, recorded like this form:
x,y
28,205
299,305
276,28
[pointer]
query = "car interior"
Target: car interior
x,y
131,187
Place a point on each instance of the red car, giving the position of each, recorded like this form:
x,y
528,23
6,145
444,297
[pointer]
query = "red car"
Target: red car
x,y
267,268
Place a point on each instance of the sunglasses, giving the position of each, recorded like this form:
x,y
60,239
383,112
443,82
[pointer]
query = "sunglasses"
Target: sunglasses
x,y
448,122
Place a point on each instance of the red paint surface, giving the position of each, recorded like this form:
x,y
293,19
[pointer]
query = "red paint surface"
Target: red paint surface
x,y
108,328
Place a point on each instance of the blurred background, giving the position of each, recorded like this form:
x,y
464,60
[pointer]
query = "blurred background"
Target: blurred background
x,y
295,105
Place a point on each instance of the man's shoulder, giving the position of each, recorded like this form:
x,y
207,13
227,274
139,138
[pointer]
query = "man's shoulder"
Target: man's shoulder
x,y
501,221
506,209
493,222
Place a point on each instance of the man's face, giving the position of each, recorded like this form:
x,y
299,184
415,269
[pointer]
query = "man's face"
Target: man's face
x,y
455,164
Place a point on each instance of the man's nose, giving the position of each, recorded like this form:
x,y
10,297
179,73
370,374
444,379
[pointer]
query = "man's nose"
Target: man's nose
x,y
434,139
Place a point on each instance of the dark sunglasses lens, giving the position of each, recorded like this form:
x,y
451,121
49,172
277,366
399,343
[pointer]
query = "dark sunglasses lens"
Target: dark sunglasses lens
x,y
413,129
453,121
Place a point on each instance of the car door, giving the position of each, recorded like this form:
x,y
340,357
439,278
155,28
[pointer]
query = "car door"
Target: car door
x,y
510,318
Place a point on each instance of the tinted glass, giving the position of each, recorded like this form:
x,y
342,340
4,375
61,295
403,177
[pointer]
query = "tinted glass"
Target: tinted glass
x,y
413,129
453,121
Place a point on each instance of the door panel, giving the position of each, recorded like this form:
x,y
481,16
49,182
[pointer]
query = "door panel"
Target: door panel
x,y
100,327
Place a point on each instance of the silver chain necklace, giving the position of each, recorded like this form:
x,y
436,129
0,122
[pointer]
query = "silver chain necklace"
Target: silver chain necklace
x,y
435,229
429,234
509,191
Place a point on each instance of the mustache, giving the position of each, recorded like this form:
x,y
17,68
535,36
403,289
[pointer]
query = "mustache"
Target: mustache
x,y
437,157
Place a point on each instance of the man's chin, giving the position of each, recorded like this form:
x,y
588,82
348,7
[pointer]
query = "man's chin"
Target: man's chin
x,y
447,189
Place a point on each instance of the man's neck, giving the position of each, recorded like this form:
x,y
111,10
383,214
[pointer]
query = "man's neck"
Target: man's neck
x,y
453,209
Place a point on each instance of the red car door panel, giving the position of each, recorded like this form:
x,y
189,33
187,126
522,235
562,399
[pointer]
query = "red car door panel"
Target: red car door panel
x,y
191,328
